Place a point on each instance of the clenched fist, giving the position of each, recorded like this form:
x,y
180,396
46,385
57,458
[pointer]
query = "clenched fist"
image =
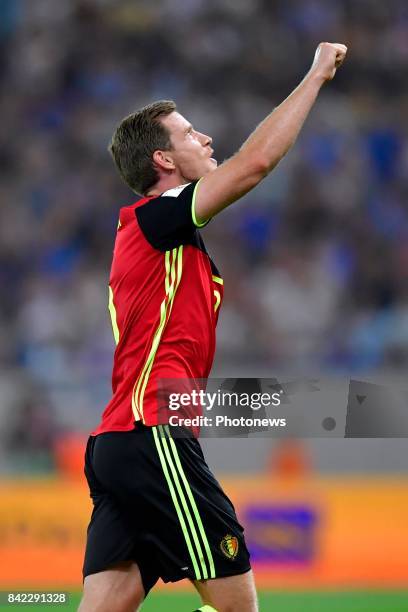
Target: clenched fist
x,y
328,57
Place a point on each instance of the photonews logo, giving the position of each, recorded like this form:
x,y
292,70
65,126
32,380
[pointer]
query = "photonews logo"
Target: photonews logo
x,y
229,546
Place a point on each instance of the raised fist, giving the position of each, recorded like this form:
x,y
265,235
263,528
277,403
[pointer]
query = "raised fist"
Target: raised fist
x,y
328,57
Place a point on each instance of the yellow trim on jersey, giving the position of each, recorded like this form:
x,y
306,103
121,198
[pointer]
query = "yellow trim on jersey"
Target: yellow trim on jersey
x,y
173,272
218,279
193,214
217,299
112,311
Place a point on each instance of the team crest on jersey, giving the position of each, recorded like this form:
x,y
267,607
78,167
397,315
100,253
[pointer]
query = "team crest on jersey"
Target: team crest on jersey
x,y
229,546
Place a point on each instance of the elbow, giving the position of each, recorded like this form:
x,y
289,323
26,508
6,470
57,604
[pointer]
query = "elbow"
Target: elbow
x,y
259,167
262,165
254,167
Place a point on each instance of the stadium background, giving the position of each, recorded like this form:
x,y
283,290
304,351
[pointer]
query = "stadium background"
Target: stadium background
x,y
315,265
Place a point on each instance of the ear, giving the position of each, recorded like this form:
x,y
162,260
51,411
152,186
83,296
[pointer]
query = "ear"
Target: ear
x,y
164,160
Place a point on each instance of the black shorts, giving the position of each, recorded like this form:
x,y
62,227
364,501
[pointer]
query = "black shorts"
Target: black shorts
x,y
156,502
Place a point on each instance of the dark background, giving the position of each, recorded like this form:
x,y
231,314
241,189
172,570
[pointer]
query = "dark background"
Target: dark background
x,y
314,260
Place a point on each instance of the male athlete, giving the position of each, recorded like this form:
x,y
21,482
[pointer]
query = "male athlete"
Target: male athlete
x,y
158,510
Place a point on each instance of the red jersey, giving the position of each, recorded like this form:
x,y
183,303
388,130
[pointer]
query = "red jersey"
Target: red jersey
x,y
164,298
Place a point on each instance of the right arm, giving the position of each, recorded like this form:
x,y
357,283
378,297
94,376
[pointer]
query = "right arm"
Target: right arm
x,y
271,140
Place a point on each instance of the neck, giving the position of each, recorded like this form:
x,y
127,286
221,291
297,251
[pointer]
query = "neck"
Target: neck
x,y
164,184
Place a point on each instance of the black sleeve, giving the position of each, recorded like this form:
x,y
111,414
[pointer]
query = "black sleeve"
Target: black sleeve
x,y
167,221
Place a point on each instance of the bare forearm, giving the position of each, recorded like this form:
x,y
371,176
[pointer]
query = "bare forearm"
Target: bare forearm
x,y
278,131
270,141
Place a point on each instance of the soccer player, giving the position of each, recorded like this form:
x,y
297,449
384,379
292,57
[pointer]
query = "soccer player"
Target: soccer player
x,y
158,510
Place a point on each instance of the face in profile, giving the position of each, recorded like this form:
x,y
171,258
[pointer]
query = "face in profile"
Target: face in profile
x,y
191,153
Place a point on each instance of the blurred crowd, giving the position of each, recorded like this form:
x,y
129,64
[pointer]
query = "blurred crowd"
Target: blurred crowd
x,y
315,259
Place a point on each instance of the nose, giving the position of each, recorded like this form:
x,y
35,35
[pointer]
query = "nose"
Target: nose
x,y
206,140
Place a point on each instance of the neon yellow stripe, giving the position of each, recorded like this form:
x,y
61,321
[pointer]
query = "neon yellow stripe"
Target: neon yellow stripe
x,y
176,504
173,272
193,529
193,214
156,338
167,266
149,362
179,267
155,343
157,333
193,503
172,292
165,310
112,311
218,279
217,299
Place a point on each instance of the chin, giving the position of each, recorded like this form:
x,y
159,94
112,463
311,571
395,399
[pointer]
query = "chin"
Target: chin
x,y
211,165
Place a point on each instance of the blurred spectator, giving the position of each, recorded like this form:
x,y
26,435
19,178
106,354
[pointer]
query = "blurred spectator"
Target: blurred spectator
x,y
314,259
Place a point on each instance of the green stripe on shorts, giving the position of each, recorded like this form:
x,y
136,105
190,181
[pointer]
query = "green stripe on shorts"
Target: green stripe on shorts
x,y
176,503
192,502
